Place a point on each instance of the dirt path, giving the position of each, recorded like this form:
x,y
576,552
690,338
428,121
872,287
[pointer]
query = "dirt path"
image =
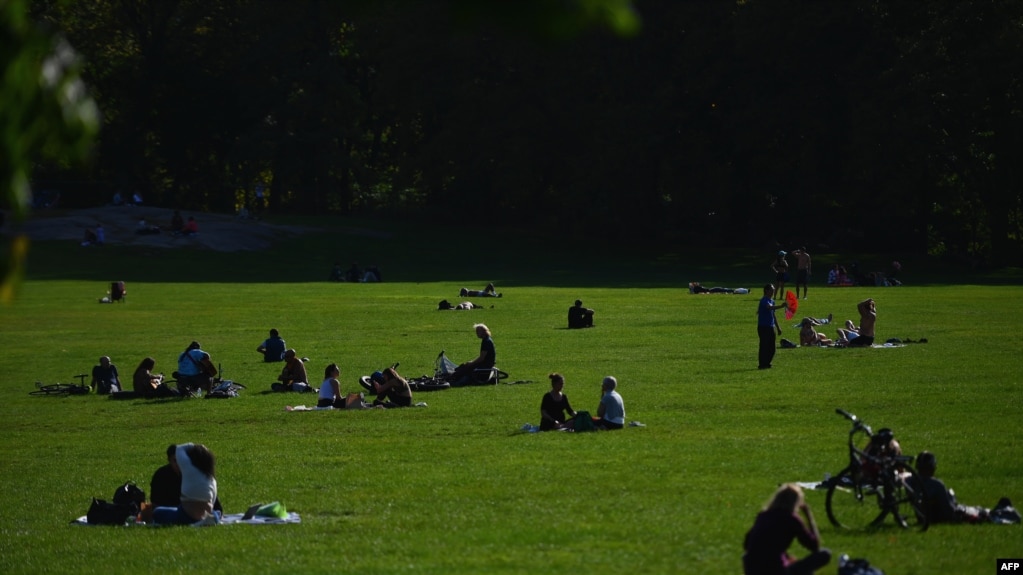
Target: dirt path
x,y
216,232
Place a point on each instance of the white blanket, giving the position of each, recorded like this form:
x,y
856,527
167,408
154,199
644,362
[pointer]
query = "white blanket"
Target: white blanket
x,y
229,519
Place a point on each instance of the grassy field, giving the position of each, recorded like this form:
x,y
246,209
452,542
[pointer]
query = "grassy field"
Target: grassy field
x,y
456,487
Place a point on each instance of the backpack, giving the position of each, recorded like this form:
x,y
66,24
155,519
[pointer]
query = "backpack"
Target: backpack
x,y
105,513
129,493
583,422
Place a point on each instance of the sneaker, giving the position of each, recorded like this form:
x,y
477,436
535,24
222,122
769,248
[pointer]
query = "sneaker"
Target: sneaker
x,y
636,424
421,404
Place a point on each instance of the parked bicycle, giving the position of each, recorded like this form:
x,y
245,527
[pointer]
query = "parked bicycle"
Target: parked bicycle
x,y
871,488
63,389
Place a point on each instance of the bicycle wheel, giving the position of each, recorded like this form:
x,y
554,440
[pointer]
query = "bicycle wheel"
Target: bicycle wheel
x,y
852,504
907,504
56,389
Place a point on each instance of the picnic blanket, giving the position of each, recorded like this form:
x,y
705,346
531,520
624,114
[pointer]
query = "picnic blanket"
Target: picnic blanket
x,y
328,408
229,519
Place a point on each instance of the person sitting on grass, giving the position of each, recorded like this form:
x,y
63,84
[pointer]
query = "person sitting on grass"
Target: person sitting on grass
x,y
195,370
147,384
555,405
293,377
104,377
809,336
272,347
611,411
392,389
868,317
464,373
198,488
776,526
579,316
165,486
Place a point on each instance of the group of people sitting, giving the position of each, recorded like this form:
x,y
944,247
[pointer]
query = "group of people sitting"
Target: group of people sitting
x,y
839,276
556,413
195,373
849,336
390,388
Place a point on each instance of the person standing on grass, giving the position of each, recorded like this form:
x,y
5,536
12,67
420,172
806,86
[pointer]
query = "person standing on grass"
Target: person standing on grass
x,y
868,316
767,325
781,272
802,270
776,526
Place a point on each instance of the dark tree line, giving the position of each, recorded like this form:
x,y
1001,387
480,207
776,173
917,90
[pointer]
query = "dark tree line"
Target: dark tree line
x,y
865,124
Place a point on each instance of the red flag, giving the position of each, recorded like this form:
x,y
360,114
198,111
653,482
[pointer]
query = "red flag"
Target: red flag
x,y
793,301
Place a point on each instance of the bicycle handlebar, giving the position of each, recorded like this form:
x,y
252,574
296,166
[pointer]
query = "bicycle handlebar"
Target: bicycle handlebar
x,y
857,423
847,415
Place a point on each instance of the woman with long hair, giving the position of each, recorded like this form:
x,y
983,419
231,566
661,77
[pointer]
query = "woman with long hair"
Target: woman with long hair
x,y
198,488
777,524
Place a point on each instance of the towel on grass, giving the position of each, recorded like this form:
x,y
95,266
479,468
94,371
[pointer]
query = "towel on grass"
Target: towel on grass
x,y
229,519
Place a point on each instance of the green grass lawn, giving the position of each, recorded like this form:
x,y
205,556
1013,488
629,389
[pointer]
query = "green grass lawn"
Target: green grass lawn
x,y
456,487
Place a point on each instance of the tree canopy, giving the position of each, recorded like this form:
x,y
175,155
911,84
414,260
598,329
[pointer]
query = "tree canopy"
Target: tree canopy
x,y
861,125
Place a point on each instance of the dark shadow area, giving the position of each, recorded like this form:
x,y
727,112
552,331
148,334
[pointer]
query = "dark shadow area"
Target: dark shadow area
x,y
508,259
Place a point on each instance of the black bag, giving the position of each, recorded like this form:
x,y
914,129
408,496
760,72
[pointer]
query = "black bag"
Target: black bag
x,y
128,494
105,513
848,566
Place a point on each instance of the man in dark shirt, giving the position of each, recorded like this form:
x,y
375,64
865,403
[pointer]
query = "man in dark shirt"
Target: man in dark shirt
x,y
104,377
272,347
579,316
464,374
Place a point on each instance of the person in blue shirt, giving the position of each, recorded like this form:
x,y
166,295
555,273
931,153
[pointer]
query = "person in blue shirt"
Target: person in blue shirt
x,y
611,411
195,370
767,325
273,347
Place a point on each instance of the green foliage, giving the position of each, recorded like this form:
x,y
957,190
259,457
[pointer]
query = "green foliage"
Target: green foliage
x,y
45,114
456,487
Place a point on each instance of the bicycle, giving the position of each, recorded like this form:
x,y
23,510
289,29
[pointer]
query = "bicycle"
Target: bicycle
x,y
858,497
63,389
422,383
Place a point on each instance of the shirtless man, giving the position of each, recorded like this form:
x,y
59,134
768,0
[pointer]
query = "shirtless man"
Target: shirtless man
x,y
802,270
809,336
868,316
